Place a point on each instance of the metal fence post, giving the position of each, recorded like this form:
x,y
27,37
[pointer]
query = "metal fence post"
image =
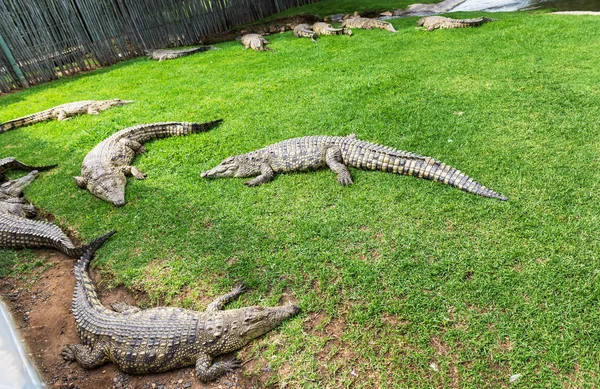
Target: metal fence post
x,y
13,63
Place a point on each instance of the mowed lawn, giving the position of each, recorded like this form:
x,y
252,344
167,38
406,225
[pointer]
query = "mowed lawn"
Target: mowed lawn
x,y
404,283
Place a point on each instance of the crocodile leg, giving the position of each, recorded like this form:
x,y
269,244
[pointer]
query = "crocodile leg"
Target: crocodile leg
x,y
81,182
333,159
87,357
30,211
62,115
220,302
266,175
134,171
133,145
93,110
123,308
206,371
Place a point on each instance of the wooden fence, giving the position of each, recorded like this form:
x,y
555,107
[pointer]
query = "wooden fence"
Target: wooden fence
x,y
42,40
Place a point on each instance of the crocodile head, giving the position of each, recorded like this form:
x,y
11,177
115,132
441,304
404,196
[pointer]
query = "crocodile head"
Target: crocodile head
x,y
108,186
14,188
251,322
238,166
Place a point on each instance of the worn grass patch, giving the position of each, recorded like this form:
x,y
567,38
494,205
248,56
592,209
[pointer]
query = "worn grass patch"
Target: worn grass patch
x,y
403,274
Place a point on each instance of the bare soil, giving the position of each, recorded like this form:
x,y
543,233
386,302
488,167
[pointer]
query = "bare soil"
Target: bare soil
x,y
41,311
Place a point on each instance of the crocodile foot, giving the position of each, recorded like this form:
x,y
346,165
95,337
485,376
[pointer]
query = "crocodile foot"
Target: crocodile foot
x,y
67,354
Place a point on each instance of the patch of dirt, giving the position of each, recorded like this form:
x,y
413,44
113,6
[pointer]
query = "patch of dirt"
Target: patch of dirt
x,y
274,26
575,379
440,347
41,312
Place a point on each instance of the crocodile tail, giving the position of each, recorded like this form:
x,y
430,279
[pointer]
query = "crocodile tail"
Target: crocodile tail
x,y
430,169
25,121
364,155
12,163
203,127
92,246
147,132
42,168
22,166
85,292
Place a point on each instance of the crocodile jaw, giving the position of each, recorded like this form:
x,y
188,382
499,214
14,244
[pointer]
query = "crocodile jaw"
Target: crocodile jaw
x,y
109,188
228,168
120,102
260,320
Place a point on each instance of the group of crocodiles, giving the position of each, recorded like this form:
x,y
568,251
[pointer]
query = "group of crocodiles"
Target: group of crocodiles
x,y
17,229
258,42
160,339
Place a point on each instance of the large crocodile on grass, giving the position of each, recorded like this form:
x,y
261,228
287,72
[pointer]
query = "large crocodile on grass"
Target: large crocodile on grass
x,y
163,54
303,30
430,23
64,112
366,23
160,339
105,168
255,42
10,163
337,153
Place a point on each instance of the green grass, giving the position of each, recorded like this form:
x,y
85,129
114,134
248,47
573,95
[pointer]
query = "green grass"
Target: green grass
x,y
393,273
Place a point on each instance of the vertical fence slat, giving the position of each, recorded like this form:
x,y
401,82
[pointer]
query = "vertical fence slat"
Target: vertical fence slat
x,y
50,38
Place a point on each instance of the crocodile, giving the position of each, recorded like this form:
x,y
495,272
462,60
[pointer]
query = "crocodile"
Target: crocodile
x,y
18,231
428,9
322,28
255,42
303,30
162,54
432,22
366,23
11,163
337,153
64,112
164,338
105,168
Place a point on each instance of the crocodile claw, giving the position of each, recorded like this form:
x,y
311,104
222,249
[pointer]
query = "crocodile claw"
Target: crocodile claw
x,y
67,354
233,364
345,179
253,182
